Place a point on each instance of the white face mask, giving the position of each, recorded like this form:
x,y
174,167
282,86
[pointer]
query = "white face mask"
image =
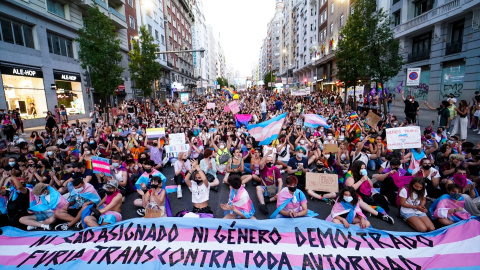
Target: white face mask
x,y
329,137
410,100
50,153
302,141
78,190
300,155
222,146
312,140
348,198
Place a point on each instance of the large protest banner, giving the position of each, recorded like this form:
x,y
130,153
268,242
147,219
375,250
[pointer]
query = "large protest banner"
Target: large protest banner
x,y
404,137
176,139
173,150
186,243
234,108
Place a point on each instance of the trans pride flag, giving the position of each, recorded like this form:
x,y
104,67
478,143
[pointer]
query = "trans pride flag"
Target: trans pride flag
x,y
315,120
242,119
100,165
266,132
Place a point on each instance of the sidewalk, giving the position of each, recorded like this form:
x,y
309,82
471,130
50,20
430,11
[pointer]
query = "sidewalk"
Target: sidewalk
x,y
426,117
28,131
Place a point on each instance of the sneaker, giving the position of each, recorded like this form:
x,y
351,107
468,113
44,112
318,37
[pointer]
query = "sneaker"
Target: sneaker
x,y
475,129
478,133
78,225
141,212
264,209
179,193
282,171
46,227
388,219
331,201
62,227
29,228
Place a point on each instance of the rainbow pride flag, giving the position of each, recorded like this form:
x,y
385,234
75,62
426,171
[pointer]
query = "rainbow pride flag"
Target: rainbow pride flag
x,y
353,115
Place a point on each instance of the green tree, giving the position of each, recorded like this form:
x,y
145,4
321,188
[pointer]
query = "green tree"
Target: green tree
x,y
222,82
143,66
350,53
100,52
368,48
384,60
269,78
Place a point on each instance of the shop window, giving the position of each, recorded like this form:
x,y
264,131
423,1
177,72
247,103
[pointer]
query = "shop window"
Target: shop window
x,y
56,8
25,93
396,17
60,45
16,33
70,95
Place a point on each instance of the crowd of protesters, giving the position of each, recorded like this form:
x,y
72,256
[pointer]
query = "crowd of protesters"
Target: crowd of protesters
x,y
47,179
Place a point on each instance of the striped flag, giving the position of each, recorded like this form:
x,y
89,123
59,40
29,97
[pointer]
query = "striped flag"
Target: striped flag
x,y
242,119
101,165
315,120
353,115
399,87
267,131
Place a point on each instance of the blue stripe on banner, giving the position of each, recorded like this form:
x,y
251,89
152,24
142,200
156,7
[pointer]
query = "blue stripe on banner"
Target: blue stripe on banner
x,y
310,125
269,140
266,123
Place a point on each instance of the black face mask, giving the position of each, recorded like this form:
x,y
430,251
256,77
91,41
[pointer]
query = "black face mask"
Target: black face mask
x,y
109,192
292,189
426,167
148,170
395,168
57,169
154,186
198,181
269,164
184,160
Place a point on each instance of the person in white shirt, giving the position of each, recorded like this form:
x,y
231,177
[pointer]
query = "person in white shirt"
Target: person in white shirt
x,y
412,200
200,187
263,109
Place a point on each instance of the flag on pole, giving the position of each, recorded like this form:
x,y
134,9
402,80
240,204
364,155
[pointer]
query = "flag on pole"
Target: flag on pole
x,y
399,87
267,131
314,120
242,119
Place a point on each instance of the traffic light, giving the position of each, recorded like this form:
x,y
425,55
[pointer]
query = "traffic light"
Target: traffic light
x,y
86,81
305,80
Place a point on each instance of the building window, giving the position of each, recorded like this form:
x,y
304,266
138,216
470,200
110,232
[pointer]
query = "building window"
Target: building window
x,y
396,17
156,35
149,29
341,20
56,8
332,7
331,28
420,48
395,1
162,39
132,22
16,33
423,6
59,45
130,3
155,19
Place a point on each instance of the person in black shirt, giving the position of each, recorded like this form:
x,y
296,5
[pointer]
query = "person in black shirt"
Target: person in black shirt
x,y
411,107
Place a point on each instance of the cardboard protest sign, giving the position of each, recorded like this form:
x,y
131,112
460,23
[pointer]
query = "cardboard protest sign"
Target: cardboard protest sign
x,y
322,182
330,148
154,133
210,105
176,139
373,119
213,243
173,150
153,213
404,137
234,107
100,165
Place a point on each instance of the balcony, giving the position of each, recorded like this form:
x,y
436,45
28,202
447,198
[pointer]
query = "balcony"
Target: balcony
x,y
418,56
117,18
454,47
430,17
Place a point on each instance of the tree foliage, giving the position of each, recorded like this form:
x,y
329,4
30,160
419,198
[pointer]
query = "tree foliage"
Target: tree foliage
x,y
100,51
269,78
367,48
143,66
222,82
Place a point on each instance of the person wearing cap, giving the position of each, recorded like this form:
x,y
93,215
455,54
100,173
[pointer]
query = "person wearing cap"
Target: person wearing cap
x,y
108,209
47,201
82,195
298,166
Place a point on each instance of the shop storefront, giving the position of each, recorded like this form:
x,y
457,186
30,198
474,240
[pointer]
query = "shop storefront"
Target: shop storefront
x,y
24,89
69,92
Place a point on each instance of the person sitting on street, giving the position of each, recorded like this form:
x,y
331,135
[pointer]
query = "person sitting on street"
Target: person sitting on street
x,y
346,210
47,201
81,196
182,165
108,209
449,208
200,188
292,202
155,198
239,205
271,182
412,200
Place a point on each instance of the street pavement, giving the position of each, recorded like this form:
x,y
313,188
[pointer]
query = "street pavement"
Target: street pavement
x,y
320,207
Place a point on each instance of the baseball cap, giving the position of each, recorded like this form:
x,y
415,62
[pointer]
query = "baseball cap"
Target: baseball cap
x,y
111,184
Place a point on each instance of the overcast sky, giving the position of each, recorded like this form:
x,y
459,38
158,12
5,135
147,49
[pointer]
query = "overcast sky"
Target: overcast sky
x,y
242,25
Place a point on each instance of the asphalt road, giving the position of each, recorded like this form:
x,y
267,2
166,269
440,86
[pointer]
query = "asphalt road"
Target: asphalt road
x,y
216,198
